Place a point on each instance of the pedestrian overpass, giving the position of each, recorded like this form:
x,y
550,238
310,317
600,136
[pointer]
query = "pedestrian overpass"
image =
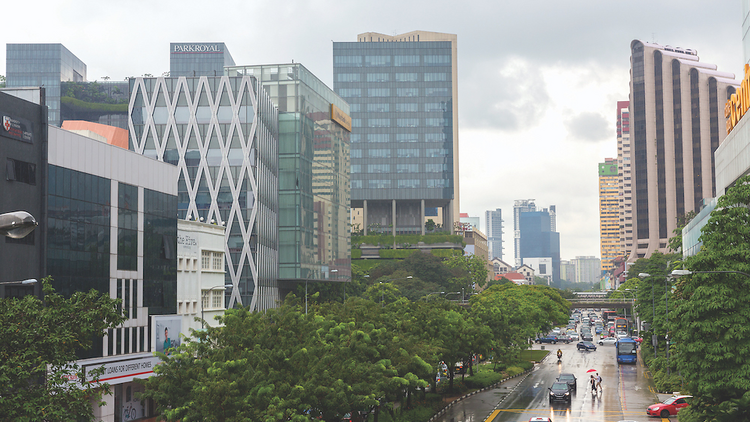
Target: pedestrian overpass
x,y
609,303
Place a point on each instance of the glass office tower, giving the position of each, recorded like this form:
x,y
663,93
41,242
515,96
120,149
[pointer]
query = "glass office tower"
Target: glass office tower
x,y
314,237
222,133
30,65
404,144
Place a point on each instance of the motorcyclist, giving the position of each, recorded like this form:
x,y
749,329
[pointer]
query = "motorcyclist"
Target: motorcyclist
x,y
559,354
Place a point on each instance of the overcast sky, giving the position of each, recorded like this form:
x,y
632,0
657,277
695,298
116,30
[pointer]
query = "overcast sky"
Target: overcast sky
x,y
538,80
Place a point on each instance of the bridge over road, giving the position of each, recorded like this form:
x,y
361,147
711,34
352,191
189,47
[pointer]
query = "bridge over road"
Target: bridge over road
x,y
609,303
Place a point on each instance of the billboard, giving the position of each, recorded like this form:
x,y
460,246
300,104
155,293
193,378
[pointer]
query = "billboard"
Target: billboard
x,y
166,333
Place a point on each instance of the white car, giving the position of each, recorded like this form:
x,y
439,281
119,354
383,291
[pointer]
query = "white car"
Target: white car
x,y
607,341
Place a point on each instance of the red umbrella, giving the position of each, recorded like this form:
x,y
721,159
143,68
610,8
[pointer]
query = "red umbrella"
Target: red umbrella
x,y
591,370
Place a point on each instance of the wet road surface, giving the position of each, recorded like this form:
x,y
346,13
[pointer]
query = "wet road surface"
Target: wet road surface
x,y
627,390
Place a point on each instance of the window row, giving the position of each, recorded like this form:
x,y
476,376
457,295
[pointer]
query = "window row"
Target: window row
x,y
397,77
211,260
400,168
401,184
387,92
402,153
388,61
440,107
400,137
411,122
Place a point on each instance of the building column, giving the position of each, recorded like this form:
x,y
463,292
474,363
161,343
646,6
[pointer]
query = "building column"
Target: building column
x,y
450,217
364,217
393,217
421,216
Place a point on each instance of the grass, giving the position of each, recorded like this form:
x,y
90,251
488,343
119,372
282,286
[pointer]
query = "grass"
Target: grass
x,y
534,355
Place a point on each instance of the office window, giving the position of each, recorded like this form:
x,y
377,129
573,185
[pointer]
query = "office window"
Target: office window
x,y
356,184
217,262
407,168
408,184
356,168
379,153
378,108
439,60
350,92
406,60
20,171
379,184
406,107
435,137
437,122
407,77
407,92
204,299
206,260
436,107
377,61
437,152
378,77
378,137
378,168
407,137
378,92
438,183
347,61
407,153
435,77
436,92
217,299
407,122
355,108
378,122
355,137
355,153
435,168
348,77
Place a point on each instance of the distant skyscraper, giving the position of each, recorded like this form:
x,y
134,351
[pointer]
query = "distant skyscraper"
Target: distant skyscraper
x,y
198,59
34,65
625,180
534,235
587,269
676,104
403,91
609,213
494,230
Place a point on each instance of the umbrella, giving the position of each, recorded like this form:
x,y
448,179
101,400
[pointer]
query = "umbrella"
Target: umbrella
x,y
591,370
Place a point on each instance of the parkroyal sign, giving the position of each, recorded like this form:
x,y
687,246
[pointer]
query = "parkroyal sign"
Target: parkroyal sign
x,y
739,102
197,48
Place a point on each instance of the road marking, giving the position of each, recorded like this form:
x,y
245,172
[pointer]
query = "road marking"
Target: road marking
x,y
492,416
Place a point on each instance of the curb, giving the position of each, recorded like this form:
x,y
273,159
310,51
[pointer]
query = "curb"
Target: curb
x,y
449,405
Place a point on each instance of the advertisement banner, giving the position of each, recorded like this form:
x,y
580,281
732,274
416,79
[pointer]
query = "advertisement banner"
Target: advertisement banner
x,y
16,128
166,333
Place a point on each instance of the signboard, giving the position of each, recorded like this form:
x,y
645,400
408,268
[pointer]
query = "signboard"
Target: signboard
x,y
197,48
739,102
187,244
166,333
124,371
338,116
16,128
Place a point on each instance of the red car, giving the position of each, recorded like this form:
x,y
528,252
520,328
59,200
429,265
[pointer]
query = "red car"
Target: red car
x,y
669,407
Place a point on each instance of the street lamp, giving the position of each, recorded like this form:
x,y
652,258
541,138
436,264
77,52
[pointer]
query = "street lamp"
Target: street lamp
x,y
223,286
23,282
678,273
653,309
17,224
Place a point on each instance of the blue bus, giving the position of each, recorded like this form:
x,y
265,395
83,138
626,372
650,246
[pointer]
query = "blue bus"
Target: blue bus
x,y
626,349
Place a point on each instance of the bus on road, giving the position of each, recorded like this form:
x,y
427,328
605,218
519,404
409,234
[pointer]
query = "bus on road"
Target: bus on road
x,y
621,325
626,349
608,316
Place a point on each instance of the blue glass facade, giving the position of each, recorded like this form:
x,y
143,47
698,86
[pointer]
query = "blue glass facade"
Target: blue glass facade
x,y
537,240
402,141
47,65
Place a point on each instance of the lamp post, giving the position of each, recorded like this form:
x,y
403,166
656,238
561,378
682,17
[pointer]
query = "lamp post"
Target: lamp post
x,y
677,273
223,286
653,309
17,224
22,282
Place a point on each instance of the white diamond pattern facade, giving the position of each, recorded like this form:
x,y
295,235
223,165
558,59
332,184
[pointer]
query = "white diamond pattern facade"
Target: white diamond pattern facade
x,y
222,134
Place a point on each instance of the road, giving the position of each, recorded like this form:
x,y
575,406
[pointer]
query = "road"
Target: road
x,y
627,392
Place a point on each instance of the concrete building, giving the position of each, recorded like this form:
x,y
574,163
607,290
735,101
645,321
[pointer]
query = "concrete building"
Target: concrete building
x,y
535,235
472,221
528,273
542,267
200,273
314,200
675,104
494,229
500,267
625,178
587,269
609,213
221,134
403,92
45,65
567,270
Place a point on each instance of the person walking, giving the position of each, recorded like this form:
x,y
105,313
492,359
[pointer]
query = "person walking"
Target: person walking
x,y
593,385
599,381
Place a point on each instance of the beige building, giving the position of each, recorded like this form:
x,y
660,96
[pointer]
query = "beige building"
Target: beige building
x,y
675,106
609,213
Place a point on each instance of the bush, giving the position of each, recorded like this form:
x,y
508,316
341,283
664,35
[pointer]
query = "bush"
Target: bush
x,y
356,253
668,383
526,365
483,379
447,253
396,253
514,370
417,414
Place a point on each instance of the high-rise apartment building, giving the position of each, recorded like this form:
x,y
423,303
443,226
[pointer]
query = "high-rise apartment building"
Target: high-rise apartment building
x,y
47,65
534,234
314,128
222,134
609,213
676,104
198,59
494,220
625,179
402,90
587,269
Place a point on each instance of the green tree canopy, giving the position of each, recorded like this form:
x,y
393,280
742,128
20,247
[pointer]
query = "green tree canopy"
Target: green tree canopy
x,y
38,351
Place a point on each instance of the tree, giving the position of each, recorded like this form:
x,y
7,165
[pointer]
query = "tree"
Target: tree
x,y
38,351
711,318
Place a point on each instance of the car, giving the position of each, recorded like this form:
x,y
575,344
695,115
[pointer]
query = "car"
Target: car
x,y
669,407
587,337
621,334
570,379
574,337
548,339
585,345
607,341
559,391
541,419
564,338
